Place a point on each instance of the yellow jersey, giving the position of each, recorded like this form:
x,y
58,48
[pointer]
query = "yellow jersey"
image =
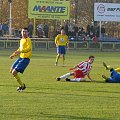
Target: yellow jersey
x,y
25,48
61,40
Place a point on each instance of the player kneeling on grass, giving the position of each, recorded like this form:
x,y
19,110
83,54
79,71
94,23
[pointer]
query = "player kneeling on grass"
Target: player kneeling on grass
x,y
22,62
114,77
80,71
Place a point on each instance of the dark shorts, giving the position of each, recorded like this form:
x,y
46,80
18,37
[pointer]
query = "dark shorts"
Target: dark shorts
x,y
61,49
20,64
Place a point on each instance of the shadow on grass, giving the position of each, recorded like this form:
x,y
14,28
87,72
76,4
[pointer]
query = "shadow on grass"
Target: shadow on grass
x,y
71,117
90,82
87,81
54,116
6,85
75,95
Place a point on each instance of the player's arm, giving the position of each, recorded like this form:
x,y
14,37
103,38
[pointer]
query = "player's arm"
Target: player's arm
x,y
16,53
90,78
56,41
80,65
73,67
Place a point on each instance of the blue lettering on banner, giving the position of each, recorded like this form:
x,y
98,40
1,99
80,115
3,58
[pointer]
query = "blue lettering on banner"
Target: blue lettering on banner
x,y
51,9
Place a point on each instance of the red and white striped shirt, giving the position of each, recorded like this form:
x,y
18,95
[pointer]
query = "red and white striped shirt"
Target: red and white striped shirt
x,y
85,67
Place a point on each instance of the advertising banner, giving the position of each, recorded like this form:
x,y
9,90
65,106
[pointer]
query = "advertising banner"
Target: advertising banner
x,y
49,9
106,12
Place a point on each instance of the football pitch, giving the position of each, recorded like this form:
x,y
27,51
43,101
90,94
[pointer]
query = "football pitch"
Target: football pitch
x,y
48,99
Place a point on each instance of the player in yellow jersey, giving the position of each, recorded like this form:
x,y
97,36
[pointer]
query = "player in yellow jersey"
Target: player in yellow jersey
x,y
61,42
22,62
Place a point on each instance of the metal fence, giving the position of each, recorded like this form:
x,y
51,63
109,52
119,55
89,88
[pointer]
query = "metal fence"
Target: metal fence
x,y
75,45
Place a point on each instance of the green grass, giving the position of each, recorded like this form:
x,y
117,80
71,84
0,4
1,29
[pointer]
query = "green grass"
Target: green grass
x,y
48,99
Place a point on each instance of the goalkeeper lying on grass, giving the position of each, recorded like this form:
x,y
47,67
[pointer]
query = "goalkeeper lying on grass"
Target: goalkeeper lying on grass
x,y
114,77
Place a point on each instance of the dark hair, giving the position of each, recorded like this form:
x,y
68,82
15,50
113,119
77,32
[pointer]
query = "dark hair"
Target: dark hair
x,y
62,27
25,28
91,56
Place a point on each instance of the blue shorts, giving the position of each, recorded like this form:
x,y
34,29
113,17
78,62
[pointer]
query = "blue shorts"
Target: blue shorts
x,y
20,64
61,49
115,77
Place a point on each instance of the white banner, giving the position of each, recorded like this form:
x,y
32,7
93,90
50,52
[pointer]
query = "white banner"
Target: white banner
x,y
106,12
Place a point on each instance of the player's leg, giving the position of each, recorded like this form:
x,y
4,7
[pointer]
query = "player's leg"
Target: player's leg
x,y
58,55
14,72
16,76
114,77
105,78
78,76
117,69
106,66
76,80
63,60
14,65
57,58
11,69
20,67
63,55
65,76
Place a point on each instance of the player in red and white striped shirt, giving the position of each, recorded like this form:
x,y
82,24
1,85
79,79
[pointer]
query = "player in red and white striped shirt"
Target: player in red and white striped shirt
x,y
80,71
